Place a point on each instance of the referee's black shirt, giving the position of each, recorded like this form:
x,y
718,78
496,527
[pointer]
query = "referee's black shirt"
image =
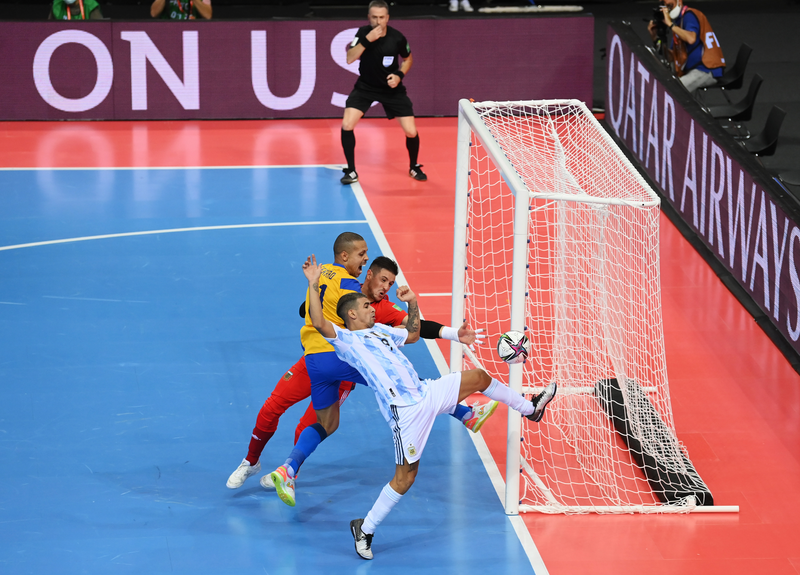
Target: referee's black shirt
x,y
379,58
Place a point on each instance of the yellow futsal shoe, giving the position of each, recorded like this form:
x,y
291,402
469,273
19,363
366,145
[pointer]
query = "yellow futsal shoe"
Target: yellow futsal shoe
x,y
480,413
284,485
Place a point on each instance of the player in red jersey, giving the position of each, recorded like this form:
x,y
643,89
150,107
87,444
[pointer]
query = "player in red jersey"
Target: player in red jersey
x,y
295,385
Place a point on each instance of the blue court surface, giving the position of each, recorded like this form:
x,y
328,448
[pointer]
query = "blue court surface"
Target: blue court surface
x,y
134,361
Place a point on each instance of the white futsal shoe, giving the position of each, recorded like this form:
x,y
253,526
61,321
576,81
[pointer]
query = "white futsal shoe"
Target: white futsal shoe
x,y
363,540
284,485
480,413
266,482
541,401
245,470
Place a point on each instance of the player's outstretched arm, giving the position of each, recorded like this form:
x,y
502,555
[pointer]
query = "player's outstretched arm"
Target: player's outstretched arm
x,y
464,334
413,323
312,271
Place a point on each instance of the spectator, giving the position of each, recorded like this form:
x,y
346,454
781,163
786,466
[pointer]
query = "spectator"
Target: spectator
x,y
463,4
693,50
75,10
181,9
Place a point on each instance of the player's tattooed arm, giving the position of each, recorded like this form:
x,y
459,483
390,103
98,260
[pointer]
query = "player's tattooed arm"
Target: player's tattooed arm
x,y
413,324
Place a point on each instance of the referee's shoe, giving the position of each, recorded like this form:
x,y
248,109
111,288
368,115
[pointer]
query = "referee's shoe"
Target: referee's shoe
x,y
350,176
417,173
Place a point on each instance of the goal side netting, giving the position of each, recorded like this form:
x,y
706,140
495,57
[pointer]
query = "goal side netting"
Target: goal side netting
x,y
557,235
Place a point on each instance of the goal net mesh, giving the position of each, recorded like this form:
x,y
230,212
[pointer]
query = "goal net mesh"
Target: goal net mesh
x,y
593,303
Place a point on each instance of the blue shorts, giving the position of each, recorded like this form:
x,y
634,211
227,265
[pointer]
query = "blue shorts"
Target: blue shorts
x,y
326,371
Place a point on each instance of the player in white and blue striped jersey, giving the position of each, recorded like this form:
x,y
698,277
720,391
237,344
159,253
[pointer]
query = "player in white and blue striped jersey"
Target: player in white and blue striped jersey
x,y
408,403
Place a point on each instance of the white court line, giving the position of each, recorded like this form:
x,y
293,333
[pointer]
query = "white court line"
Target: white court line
x,y
93,299
448,294
480,445
177,230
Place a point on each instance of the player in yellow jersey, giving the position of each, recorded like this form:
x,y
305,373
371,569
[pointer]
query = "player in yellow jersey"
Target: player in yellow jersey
x,y
325,369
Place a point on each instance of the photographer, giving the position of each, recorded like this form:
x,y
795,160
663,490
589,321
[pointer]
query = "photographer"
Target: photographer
x,y
693,50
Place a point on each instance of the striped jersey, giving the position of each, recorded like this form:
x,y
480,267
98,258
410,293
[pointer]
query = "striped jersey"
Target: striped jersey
x,y
334,282
376,355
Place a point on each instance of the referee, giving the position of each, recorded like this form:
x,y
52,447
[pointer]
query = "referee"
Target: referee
x,y
378,47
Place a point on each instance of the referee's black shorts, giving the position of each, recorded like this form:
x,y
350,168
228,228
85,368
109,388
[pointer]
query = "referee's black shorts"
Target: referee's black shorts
x,y
396,102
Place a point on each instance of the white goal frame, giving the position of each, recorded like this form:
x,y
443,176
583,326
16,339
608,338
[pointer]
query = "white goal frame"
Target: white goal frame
x,y
471,125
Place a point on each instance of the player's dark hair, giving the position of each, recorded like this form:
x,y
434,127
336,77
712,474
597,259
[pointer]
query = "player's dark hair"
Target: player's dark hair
x,y
347,302
377,4
344,242
384,263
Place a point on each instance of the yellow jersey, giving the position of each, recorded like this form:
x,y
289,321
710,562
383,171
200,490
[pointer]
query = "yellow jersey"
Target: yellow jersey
x,y
334,282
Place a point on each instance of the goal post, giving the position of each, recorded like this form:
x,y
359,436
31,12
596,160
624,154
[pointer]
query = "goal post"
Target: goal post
x,y
556,235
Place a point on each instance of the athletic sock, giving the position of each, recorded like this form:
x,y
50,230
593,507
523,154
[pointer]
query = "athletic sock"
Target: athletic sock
x,y
412,144
311,437
384,504
499,391
258,441
349,147
461,412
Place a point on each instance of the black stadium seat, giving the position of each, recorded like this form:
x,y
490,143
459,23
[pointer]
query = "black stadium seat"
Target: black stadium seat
x,y
764,144
733,78
743,109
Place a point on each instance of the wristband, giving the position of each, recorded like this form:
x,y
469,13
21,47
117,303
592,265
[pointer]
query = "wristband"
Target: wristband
x,y
450,333
399,73
429,329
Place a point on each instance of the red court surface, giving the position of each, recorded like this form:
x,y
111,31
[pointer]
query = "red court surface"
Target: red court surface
x,y
736,400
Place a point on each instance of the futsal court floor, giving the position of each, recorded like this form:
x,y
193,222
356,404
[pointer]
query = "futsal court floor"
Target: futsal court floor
x,y
151,273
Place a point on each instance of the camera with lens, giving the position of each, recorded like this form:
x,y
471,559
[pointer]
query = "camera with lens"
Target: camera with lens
x,y
660,25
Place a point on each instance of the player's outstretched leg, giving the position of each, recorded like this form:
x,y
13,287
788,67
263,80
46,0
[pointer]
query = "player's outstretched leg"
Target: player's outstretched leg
x,y
475,380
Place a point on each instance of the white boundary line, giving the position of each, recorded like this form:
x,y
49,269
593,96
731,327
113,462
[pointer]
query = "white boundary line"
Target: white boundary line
x,y
177,230
517,523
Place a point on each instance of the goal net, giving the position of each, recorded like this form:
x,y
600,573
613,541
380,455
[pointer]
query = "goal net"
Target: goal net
x,y
556,235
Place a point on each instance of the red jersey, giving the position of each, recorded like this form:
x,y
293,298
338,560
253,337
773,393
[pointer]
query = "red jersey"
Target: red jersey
x,y
388,313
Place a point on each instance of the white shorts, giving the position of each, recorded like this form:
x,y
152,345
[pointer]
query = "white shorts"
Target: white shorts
x,y
412,425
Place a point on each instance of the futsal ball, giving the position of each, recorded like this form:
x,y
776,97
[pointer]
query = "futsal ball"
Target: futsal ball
x,y
513,347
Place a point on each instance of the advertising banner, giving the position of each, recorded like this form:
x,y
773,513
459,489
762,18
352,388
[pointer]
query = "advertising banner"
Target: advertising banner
x,y
277,69
727,198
